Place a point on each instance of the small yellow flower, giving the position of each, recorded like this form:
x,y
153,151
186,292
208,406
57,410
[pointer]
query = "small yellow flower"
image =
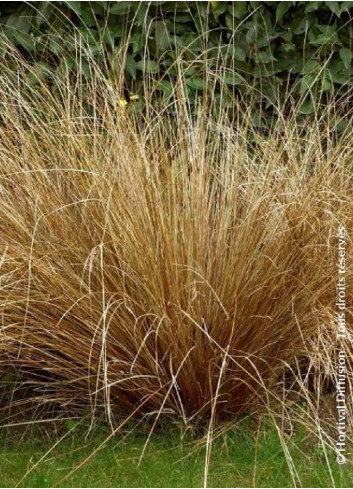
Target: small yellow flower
x,y
122,102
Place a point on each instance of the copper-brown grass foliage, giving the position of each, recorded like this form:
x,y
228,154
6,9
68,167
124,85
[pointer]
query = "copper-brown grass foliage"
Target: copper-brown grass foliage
x,y
168,264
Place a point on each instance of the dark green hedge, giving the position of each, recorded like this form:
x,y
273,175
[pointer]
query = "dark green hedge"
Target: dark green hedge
x,y
272,47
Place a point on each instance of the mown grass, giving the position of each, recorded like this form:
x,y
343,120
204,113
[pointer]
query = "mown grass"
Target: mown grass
x,y
239,458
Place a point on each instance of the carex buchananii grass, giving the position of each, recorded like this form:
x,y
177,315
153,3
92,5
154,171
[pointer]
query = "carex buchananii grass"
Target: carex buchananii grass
x,y
166,263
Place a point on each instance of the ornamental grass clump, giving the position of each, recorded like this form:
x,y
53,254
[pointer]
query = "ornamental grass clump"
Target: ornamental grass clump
x,y
166,263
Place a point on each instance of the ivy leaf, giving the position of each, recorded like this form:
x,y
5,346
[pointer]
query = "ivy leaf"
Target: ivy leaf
x,y
312,6
130,66
197,83
307,83
218,8
238,9
239,54
311,67
334,7
233,79
281,9
85,68
66,66
42,69
25,40
345,6
346,57
166,87
328,35
56,44
250,35
327,83
148,66
264,57
161,36
44,11
75,6
136,42
87,14
141,14
307,107
19,21
120,8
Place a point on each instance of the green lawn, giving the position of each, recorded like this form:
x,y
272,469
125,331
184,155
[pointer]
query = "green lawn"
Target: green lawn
x,y
168,460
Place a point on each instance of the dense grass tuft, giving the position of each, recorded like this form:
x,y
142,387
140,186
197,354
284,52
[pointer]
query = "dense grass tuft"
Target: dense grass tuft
x,y
165,264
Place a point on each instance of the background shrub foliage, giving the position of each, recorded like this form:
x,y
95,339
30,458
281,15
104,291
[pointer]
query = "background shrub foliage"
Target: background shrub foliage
x,y
270,49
